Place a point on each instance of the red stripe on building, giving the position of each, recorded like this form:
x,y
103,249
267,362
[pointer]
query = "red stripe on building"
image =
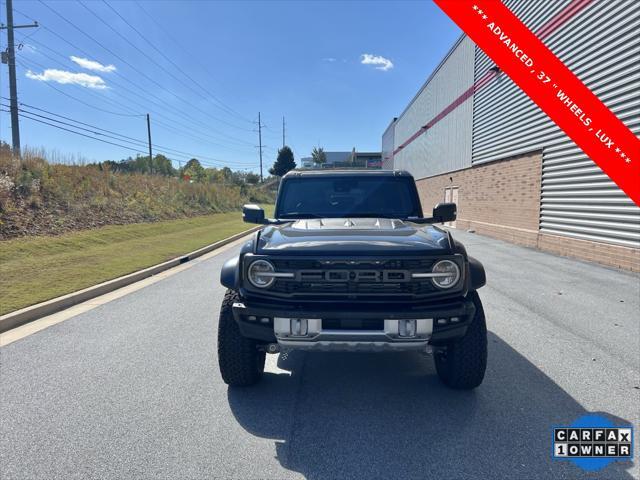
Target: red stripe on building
x,y
568,102
562,17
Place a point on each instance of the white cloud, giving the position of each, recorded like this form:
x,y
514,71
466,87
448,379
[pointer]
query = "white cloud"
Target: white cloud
x,y
380,62
64,77
330,59
93,65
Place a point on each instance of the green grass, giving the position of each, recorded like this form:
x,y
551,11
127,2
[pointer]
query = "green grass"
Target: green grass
x,y
36,269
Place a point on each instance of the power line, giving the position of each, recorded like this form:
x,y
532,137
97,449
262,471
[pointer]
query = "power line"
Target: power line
x,y
22,62
13,84
140,72
71,119
272,133
72,131
79,100
78,127
108,100
163,106
93,106
220,105
151,59
23,115
131,100
171,127
177,43
115,135
162,103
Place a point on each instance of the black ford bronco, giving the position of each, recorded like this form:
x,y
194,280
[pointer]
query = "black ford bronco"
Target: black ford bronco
x,y
349,263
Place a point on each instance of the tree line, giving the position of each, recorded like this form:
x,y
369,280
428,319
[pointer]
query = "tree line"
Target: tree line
x,y
286,161
192,171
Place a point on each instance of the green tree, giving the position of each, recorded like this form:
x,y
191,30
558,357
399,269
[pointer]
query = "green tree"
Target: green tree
x,y
252,178
211,174
227,174
162,165
138,164
194,170
318,155
284,163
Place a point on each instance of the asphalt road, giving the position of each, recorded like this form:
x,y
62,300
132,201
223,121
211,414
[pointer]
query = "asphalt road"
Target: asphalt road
x,y
131,389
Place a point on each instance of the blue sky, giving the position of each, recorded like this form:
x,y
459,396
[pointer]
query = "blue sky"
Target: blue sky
x,y
337,71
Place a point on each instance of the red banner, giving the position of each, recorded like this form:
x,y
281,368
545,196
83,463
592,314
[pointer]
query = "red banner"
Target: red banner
x,y
552,86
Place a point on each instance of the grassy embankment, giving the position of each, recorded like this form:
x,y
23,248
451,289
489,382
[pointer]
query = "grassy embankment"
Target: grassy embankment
x,y
38,197
35,269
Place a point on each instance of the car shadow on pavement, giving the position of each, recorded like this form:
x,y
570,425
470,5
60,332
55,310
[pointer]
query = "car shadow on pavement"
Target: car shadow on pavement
x,y
374,415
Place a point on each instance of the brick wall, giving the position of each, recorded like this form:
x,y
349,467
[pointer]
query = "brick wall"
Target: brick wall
x,y
612,255
502,200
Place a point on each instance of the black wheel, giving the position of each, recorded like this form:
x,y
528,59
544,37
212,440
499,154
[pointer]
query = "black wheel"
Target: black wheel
x,y
463,363
241,363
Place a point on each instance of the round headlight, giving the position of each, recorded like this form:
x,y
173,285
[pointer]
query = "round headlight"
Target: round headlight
x,y
447,272
258,274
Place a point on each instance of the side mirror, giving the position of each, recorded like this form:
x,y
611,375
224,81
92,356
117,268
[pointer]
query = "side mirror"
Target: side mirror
x,y
444,212
253,214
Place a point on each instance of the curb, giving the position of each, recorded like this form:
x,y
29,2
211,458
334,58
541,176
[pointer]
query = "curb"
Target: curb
x,y
39,310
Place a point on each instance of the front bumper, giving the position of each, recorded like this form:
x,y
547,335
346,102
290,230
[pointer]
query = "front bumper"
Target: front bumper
x,y
271,323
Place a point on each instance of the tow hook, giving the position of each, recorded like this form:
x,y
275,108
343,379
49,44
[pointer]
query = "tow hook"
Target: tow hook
x,y
269,348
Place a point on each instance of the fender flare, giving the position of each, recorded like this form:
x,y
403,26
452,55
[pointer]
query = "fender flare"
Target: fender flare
x,y
478,276
230,273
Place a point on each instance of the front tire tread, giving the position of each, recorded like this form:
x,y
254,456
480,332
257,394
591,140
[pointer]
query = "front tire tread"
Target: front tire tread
x,y
241,363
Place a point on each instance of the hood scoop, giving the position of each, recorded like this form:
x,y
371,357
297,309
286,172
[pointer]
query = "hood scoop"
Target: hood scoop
x,y
348,224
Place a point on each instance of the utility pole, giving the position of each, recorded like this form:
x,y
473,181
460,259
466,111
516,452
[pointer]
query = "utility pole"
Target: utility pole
x,y
10,58
149,136
260,144
283,131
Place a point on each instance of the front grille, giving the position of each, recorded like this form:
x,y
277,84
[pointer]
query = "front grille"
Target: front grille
x,y
367,277
417,287
352,324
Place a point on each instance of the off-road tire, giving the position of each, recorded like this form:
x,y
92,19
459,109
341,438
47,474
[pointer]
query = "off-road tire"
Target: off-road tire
x,y
241,363
463,363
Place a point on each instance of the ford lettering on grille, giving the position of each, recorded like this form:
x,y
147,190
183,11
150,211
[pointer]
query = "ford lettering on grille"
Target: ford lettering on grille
x,y
349,278
360,276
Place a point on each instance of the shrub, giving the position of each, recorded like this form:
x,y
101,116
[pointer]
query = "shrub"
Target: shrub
x,y
41,197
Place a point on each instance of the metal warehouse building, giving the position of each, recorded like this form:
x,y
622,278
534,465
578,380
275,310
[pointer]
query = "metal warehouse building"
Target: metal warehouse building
x,y
513,173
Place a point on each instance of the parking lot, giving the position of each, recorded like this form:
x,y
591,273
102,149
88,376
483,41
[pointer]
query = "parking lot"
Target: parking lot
x,y
131,388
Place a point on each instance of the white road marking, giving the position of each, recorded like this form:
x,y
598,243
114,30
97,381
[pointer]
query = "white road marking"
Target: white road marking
x,y
32,327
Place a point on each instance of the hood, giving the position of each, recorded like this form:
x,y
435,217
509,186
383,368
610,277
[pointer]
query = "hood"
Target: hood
x,y
360,236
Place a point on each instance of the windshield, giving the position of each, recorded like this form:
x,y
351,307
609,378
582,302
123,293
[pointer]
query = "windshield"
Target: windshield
x,y
349,196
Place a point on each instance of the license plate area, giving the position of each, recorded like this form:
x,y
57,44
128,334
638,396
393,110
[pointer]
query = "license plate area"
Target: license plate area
x,y
352,324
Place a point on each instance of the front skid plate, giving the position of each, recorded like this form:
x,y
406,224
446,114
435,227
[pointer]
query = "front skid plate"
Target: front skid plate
x,y
353,346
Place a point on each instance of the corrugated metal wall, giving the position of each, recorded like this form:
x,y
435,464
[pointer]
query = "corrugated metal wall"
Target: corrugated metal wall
x,y
388,146
602,46
447,146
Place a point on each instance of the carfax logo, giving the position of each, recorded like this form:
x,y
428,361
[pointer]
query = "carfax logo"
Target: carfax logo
x,y
592,442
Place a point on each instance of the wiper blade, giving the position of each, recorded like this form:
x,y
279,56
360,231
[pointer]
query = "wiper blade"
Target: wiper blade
x,y
421,220
294,215
371,215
